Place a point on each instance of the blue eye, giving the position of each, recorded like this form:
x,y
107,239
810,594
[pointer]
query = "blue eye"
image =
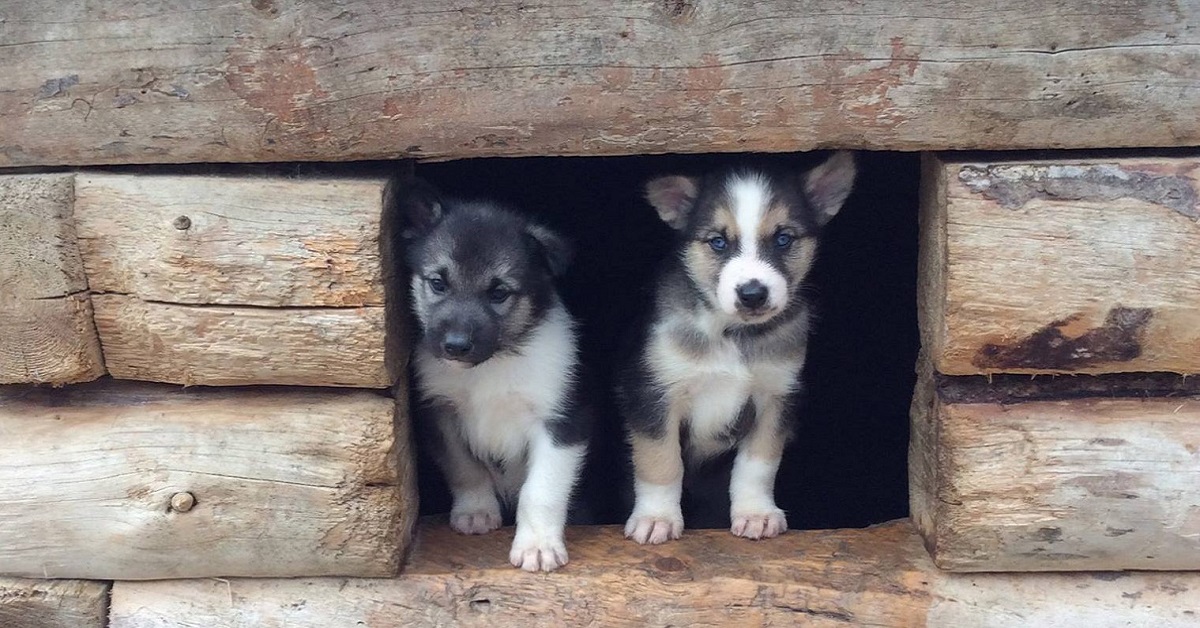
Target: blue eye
x,y
784,240
718,243
437,284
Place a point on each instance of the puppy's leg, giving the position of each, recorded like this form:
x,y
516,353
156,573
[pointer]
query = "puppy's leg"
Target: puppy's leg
x,y
542,504
752,482
657,482
475,510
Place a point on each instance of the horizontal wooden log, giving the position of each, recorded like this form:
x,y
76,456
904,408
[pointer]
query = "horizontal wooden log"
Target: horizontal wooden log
x,y
1085,484
277,80
180,258
1066,266
228,346
875,577
53,603
116,480
207,240
46,330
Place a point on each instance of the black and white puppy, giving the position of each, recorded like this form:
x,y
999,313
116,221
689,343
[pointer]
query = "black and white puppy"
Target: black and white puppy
x,y
496,365
718,365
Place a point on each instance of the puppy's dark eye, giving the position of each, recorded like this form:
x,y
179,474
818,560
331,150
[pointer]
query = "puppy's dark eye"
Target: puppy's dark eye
x,y
498,295
718,243
437,285
784,240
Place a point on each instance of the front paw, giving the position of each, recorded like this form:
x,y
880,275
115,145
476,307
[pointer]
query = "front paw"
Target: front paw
x,y
654,528
533,552
759,525
475,521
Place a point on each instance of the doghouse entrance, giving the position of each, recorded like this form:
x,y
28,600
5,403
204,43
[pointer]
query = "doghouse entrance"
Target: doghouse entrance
x,y
847,467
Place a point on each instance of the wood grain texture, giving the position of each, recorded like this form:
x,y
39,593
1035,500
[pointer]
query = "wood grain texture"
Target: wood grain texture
x,y
1084,484
279,80
98,480
874,577
1066,266
226,240
227,280
230,346
53,603
46,330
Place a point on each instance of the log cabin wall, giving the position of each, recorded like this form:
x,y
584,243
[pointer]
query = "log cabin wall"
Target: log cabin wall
x,y
176,82
1082,275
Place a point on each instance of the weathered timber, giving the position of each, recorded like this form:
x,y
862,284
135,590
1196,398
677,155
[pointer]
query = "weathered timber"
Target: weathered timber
x,y
228,345
277,80
53,603
236,280
1066,266
117,480
879,576
1083,484
46,330
264,241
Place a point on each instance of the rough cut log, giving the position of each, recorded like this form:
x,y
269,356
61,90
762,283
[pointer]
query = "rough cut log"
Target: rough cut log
x,y
278,80
227,346
875,577
116,480
1083,484
46,330
1082,266
53,603
236,280
204,240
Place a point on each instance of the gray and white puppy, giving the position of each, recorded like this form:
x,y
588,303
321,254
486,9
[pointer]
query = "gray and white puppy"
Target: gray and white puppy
x,y
496,366
718,365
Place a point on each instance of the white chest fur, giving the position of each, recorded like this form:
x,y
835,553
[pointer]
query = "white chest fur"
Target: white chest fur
x,y
502,400
711,385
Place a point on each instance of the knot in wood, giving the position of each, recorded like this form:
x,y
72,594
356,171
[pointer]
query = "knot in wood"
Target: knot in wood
x,y
182,502
182,223
670,563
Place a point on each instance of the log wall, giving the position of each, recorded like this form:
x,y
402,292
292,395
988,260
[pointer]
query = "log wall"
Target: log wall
x,y
879,576
1085,483
131,481
46,329
1074,267
1064,266
53,603
278,80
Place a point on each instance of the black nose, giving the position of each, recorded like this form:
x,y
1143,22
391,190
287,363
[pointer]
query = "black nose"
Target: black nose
x,y
456,344
752,294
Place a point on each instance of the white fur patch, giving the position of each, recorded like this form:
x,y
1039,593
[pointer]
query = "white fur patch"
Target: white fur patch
x,y
503,401
743,269
752,484
657,516
714,387
749,196
542,507
752,494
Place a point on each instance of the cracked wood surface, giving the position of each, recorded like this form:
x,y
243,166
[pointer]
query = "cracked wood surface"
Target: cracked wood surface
x,y
277,80
880,576
46,330
1089,483
1064,266
228,280
223,345
53,603
282,482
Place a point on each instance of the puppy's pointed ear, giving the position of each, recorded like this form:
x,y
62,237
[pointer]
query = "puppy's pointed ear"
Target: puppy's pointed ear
x,y
673,197
416,204
554,249
828,185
